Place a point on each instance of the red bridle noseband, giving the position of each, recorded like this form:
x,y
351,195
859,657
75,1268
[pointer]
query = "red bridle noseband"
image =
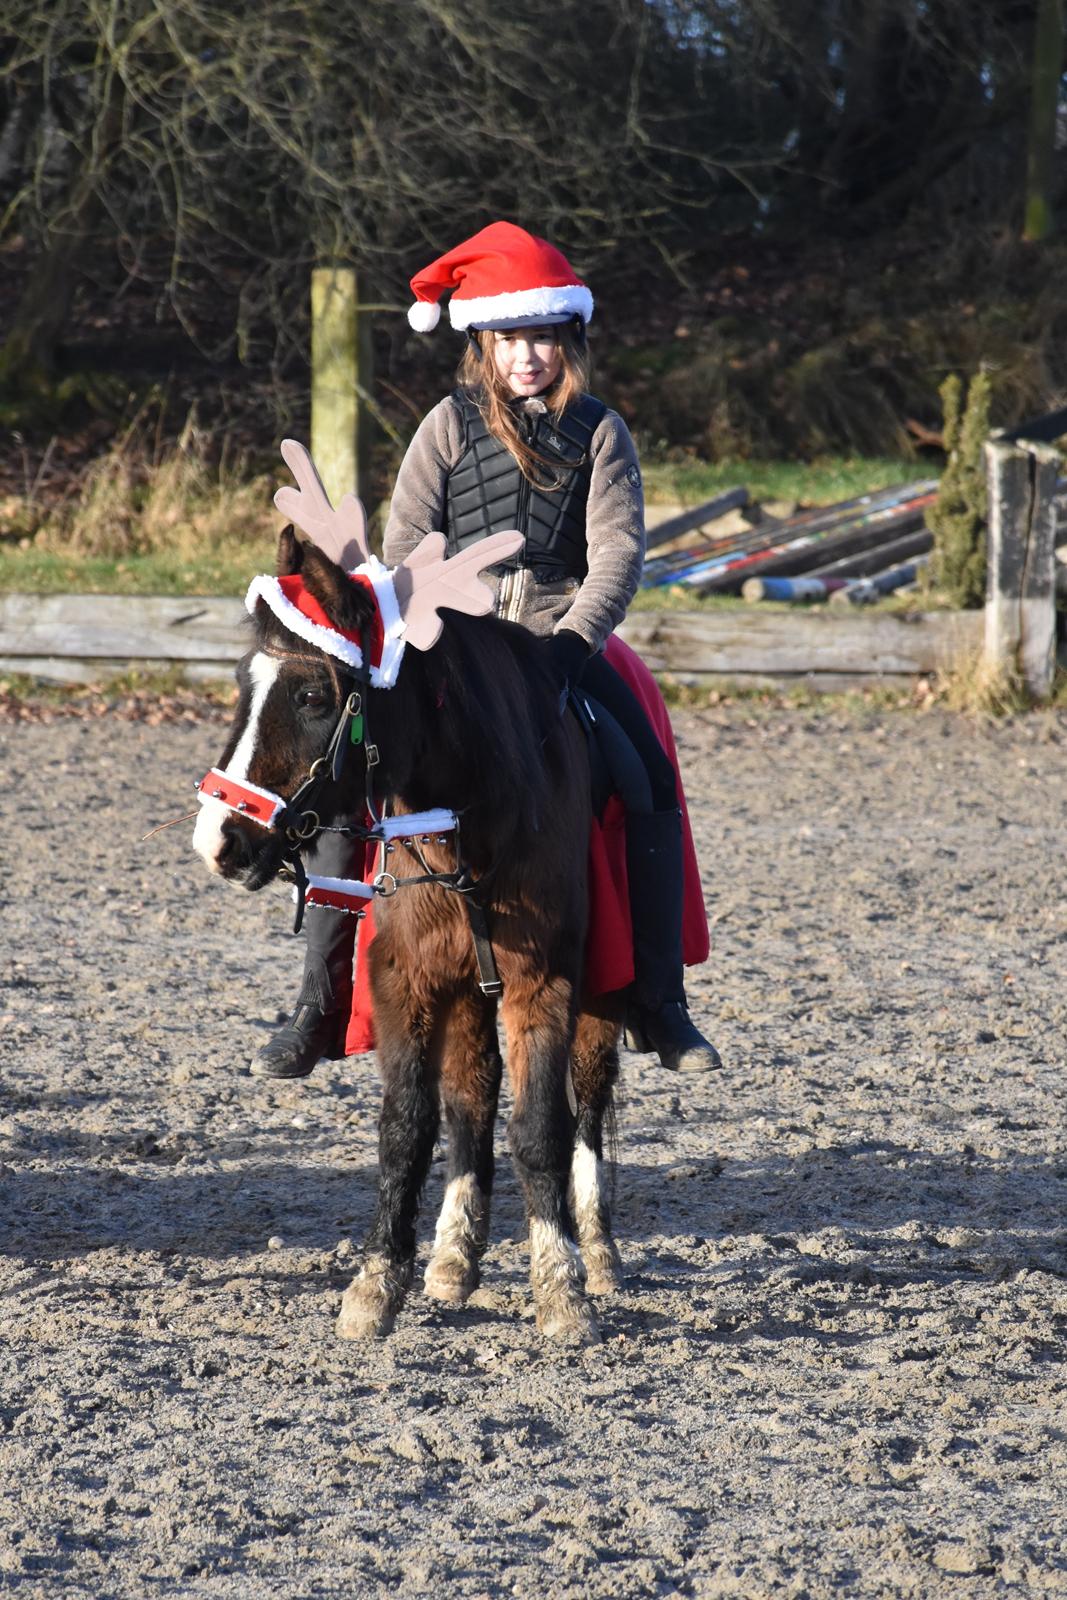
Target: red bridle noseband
x,y
244,799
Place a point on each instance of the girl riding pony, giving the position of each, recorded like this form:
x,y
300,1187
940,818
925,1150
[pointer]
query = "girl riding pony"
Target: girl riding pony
x,y
521,443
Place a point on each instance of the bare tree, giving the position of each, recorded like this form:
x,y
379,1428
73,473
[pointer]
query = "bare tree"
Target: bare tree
x,y
216,151
1044,101
239,145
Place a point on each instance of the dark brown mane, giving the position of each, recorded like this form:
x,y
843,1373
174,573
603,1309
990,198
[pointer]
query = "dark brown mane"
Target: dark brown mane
x,y
469,722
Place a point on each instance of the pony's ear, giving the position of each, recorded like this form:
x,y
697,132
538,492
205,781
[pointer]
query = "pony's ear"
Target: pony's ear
x,y
290,553
348,605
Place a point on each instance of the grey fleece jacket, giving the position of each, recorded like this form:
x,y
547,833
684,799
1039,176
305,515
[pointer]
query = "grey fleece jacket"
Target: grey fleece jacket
x,y
615,527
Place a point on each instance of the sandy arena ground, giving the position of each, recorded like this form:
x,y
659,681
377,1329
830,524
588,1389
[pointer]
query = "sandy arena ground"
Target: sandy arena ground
x,y
837,1365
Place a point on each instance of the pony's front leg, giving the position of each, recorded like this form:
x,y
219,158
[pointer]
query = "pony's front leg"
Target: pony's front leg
x,y
406,1135
539,1022
470,1084
594,1069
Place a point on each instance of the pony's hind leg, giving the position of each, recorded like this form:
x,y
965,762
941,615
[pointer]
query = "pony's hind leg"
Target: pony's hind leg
x,y
594,1069
470,1085
406,1135
539,1025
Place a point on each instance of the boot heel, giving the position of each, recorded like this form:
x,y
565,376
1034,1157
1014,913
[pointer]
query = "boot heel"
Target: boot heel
x,y
635,1038
670,1034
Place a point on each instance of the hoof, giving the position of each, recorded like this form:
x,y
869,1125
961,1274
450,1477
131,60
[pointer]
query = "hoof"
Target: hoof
x,y
569,1322
360,1320
370,1303
451,1282
603,1269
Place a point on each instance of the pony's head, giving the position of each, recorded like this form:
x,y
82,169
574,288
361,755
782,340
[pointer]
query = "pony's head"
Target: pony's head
x,y
325,633
292,691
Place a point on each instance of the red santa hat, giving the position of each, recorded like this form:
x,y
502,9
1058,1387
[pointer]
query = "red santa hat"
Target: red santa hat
x,y
503,277
298,610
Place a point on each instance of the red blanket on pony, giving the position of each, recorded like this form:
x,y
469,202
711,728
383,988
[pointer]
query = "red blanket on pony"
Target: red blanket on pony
x,y
609,953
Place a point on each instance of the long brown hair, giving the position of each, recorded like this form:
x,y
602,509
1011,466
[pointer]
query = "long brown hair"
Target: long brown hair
x,y
479,376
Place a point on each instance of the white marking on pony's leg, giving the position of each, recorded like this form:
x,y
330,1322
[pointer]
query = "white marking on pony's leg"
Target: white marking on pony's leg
x,y
591,1219
370,1303
207,835
585,1190
452,1272
556,1277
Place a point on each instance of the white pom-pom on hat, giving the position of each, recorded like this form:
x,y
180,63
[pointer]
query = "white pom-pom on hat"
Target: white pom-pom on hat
x,y
424,315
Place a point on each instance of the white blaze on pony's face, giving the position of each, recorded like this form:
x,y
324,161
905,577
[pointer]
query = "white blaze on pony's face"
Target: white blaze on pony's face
x,y
208,837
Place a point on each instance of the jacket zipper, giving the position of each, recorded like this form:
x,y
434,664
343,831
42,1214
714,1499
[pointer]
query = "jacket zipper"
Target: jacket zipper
x,y
513,587
503,596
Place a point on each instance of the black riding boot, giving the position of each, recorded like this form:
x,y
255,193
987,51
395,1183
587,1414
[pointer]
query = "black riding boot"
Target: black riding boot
x,y
657,1018
316,1028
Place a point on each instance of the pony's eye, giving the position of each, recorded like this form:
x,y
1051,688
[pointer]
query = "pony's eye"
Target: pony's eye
x,y
312,698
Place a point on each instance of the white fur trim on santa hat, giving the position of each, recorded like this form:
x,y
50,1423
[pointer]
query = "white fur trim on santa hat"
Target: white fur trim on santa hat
x,y
424,315
393,624
329,640
522,306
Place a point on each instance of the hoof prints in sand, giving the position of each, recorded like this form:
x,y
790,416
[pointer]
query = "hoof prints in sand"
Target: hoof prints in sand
x,y
836,1364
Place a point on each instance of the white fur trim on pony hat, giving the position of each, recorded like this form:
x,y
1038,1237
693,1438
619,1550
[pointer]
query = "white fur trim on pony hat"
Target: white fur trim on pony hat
x,y
502,277
383,675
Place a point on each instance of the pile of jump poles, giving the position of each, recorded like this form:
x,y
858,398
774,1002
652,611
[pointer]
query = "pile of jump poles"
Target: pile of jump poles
x,y
854,552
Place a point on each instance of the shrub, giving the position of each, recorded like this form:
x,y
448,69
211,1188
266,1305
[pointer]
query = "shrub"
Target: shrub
x,y
957,519
177,503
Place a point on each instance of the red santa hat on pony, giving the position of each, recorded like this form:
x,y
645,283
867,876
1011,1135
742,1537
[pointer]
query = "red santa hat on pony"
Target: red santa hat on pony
x,y
503,277
408,598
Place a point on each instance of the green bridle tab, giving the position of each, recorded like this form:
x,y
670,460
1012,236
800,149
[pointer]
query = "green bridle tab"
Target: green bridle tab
x,y
354,709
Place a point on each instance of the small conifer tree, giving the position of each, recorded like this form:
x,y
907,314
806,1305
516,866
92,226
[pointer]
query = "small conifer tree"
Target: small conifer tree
x,y
957,519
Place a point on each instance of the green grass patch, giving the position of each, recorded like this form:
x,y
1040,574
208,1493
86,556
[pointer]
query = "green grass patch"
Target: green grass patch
x,y
178,536
34,571
136,687
760,700
676,597
821,482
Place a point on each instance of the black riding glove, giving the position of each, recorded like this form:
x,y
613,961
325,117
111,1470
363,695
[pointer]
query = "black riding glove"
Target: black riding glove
x,y
570,654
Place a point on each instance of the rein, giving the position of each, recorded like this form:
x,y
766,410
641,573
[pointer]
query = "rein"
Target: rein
x,y
300,825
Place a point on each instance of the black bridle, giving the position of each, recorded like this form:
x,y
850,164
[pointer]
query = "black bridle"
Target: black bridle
x,y
299,823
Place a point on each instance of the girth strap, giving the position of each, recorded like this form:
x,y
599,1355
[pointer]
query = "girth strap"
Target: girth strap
x,y
488,977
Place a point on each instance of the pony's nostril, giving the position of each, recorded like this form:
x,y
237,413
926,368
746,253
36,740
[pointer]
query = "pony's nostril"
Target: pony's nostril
x,y
233,852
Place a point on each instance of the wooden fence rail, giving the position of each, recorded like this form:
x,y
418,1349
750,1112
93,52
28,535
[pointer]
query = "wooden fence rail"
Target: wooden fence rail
x,y
823,649
87,638
90,637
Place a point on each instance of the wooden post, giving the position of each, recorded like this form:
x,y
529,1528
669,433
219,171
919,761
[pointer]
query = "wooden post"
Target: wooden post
x,y
1020,616
366,411
340,367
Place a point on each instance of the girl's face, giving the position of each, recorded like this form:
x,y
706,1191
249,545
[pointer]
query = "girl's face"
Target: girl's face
x,y
528,359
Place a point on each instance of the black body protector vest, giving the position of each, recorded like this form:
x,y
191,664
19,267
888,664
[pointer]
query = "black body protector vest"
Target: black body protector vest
x,y
486,492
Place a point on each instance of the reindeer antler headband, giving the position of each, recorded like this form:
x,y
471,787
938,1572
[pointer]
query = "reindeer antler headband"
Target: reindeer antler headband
x,y
408,596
